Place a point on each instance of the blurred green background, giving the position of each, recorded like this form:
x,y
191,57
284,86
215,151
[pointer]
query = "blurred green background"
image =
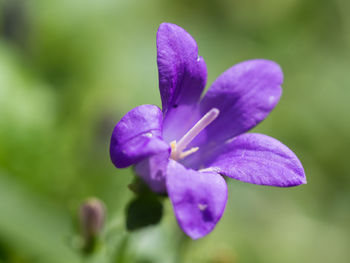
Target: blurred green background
x,y
69,69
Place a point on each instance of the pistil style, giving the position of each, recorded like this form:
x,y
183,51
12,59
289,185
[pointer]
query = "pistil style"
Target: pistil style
x,y
177,152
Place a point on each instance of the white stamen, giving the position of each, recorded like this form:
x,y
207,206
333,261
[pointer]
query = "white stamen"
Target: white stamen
x,y
177,148
188,152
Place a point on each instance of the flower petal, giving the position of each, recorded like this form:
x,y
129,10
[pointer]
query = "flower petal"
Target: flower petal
x,y
179,121
182,74
153,171
198,199
258,159
245,94
137,136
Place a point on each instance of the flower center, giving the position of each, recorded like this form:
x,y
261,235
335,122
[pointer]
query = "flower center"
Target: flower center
x,y
177,148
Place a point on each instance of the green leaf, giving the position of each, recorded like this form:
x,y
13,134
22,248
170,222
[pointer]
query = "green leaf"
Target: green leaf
x,y
143,211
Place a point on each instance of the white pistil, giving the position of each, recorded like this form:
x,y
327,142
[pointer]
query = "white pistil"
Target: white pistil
x,y
177,148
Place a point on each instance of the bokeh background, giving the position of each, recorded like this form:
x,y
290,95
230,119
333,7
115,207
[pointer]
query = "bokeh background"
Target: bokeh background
x,y
69,69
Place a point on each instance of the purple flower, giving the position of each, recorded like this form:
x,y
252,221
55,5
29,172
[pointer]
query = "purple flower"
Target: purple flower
x,y
185,148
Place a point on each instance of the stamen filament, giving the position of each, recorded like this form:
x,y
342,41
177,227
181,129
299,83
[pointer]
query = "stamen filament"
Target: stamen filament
x,y
188,152
197,128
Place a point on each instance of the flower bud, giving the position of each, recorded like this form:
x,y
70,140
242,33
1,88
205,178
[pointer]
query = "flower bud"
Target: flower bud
x,y
91,217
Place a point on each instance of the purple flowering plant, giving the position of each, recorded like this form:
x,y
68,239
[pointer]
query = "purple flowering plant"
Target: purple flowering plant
x,y
185,149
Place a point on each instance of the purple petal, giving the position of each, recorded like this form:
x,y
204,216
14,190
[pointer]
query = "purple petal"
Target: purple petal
x,y
198,198
245,94
182,74
153,171
258,159
137,136
179,121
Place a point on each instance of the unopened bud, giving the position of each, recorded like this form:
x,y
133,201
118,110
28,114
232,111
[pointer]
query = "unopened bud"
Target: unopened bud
x,y
92,217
